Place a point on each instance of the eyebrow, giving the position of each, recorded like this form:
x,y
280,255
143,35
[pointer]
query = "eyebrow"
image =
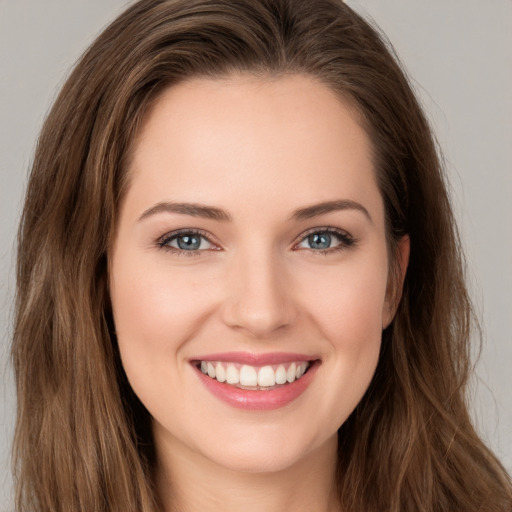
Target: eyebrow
x,y
193,209
211,212
328,207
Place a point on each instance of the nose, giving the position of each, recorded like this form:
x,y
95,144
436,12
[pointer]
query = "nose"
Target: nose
x,y
259,297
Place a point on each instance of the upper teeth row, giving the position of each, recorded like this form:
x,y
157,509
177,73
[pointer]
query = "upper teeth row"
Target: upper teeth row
x,y
265,376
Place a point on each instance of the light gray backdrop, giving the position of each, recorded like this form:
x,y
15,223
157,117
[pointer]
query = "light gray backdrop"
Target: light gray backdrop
x,y
459,55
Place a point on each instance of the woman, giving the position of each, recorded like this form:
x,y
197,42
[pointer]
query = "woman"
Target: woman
x,y
239,280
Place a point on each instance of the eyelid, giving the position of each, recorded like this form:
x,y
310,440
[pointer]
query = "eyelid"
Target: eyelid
x,y
345,237
162,241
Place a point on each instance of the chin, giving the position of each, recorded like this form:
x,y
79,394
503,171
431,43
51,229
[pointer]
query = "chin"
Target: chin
x,y
258,461
270,453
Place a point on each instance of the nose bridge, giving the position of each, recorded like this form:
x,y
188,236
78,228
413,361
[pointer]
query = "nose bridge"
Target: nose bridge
x,y
258,298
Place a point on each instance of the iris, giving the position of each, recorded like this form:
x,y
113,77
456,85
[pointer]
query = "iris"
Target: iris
x,y
319,240
189,242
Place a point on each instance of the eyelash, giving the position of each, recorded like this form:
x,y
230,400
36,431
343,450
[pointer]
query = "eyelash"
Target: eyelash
x,y
346,241
166,239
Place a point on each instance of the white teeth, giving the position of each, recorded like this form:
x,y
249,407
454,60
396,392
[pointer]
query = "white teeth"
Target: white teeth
x,y
281,375
291,374
248,376
266,377
232,374
301,368
220,373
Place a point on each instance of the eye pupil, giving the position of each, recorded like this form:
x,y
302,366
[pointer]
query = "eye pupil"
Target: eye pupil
x,y
189,242
319,240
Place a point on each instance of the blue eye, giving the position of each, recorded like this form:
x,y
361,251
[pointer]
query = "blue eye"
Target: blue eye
x,y
186,241
326,240
191,242
319,240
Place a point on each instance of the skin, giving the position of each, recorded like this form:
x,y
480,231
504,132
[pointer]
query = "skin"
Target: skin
x,y
259,149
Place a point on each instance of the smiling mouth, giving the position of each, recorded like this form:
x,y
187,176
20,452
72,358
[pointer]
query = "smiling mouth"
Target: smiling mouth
x,y
254,378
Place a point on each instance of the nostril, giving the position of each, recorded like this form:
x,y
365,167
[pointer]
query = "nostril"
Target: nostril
x,y
260,320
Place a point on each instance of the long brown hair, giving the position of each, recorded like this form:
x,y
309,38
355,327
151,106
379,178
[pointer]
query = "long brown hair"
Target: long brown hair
x,y
83,440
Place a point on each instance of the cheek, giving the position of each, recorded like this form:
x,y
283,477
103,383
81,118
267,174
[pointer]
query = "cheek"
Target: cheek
x,y
148,299
346,307
155,313
347,304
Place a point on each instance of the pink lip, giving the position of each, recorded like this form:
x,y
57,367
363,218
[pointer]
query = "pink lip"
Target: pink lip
x,y
255,359
258,400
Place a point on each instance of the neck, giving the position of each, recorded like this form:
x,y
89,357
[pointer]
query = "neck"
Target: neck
x,y
188,482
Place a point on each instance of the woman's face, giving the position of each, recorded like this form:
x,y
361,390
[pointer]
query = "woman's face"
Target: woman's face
x,y
250,248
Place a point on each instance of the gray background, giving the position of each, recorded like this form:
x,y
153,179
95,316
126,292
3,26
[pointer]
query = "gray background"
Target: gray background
x,y
459,55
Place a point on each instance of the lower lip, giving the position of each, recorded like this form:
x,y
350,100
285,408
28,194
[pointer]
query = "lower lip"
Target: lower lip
x,y
259,400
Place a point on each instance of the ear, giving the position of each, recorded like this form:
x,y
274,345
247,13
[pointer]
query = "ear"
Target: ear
x,y
396,280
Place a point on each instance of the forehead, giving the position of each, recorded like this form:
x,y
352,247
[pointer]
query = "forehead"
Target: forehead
x,y
275,141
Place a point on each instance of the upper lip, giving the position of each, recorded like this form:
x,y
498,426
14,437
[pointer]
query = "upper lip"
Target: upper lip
x,y
252,359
